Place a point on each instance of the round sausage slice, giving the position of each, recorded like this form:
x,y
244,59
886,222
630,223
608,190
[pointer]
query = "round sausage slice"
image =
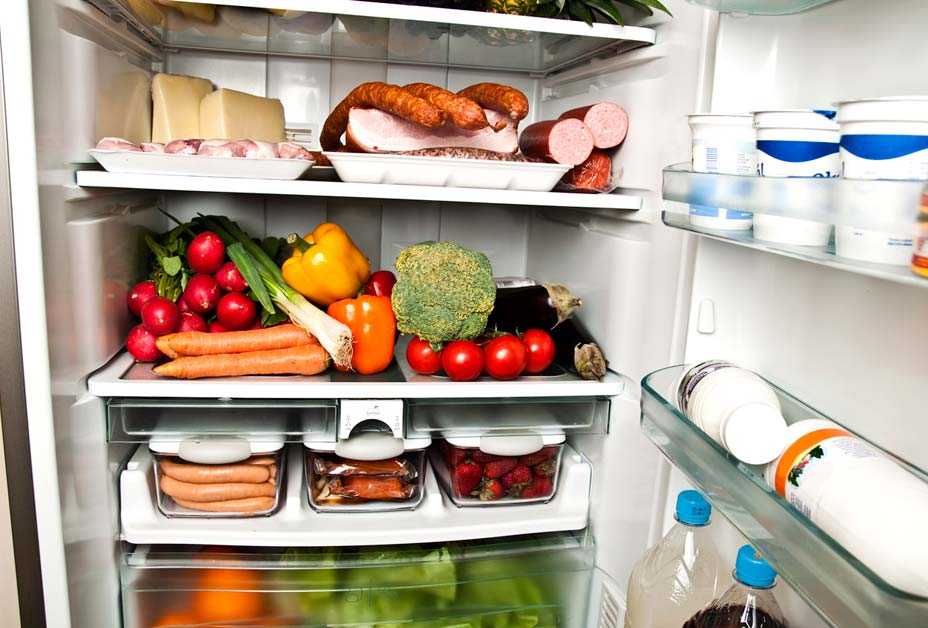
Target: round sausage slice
x,y
566,141
607,121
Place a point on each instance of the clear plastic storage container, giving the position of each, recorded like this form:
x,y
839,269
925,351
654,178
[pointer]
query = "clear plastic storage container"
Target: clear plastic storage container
x,y
499,470
219,476
369,472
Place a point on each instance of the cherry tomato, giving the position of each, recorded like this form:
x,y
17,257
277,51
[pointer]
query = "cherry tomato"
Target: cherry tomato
x,y
539,350
462,360
505,357
422,358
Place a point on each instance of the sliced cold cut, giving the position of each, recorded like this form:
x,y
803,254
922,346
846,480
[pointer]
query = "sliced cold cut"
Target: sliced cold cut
x,y
607,121
249,504
593,175
215,473
567,141
504,99
375,131
190,491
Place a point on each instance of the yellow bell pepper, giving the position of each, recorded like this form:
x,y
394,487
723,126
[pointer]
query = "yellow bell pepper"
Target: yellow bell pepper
x,y
326,265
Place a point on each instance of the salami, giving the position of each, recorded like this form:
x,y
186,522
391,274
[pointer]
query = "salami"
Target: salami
x,y
607,121
462,112
390,98
566,141
593,175
502,98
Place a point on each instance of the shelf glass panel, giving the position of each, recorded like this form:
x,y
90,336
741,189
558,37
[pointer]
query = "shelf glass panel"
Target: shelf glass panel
x,y
843,590
761,7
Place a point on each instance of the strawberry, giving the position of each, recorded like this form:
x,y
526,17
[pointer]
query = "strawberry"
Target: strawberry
x,y
520,475
465,478
456,456
545,453
499,468
540,487
546,468
491,491
482,457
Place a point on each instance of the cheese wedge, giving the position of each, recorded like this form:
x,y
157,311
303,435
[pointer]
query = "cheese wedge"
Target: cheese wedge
x,y
176,106
124,108
234,115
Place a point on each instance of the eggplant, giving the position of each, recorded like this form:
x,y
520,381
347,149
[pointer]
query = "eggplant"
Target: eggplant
x,y
577,351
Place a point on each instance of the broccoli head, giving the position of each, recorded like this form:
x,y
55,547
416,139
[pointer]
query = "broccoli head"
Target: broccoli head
x,y
443,291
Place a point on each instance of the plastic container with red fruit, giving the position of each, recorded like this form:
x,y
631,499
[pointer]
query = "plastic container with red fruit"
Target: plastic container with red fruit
x,y
499,470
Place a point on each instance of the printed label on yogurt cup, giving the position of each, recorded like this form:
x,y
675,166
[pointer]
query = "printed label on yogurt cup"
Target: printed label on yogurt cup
x,y
738,158
898,157
788,158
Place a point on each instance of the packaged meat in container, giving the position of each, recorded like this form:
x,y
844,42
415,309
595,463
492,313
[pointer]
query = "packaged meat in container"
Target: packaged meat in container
x,y
499,470
218,475
596,175
368,472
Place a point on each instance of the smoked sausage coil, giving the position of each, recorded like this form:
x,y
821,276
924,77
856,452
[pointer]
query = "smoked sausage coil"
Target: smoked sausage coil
x,y
463,112
502,98
215,473
390,98
215,492
567,141
249,504
593,175
607,121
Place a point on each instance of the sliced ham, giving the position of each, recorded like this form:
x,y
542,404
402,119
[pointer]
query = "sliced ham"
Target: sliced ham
x,y
375,131
117,143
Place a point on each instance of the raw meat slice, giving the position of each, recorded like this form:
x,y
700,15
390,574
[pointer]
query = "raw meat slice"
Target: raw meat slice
x,y
152,147
117,143
182,147
292,150
220,148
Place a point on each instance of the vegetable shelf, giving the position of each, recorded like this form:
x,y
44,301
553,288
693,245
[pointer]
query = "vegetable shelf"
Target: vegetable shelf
x,y
337,189
297,524
844,591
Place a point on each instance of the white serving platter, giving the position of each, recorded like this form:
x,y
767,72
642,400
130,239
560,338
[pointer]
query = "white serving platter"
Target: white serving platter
x,y
446,172
134,162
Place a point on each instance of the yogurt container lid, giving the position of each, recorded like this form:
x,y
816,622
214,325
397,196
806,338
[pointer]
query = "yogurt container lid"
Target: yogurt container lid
x,y
885,109
793,119
754,433
726,119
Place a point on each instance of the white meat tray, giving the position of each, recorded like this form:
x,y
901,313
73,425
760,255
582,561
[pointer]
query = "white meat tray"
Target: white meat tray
x,y
134,162
446,171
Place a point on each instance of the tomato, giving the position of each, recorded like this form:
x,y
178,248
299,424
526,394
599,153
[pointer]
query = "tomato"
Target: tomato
x,y
505,357
539,349
422,358
462,360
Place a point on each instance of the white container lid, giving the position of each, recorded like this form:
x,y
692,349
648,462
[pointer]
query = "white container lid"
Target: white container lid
x,y
730,119
793,119
888,109
508,445
217,448
368,445
754,433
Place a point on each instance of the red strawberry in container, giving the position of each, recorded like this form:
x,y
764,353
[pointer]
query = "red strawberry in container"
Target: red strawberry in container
x,y
517,479
543,454
499,468
491,490
465,477
539,487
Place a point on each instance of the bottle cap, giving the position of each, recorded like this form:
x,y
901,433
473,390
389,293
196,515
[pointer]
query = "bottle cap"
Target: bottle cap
x,y
754,433
751,569
692,508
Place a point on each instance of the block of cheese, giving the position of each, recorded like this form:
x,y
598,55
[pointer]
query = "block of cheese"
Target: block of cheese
x,y
233,115
124,108
176,106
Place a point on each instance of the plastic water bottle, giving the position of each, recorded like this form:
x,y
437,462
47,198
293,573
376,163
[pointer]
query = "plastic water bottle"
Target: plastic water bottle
x,y
679,575
749,602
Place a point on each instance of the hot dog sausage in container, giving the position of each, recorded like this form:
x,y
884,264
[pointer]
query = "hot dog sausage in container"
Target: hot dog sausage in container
x,y
219,475
368,472
499,470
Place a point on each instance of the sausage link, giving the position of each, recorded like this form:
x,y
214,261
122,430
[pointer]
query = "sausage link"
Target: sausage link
x,y
249,504
214,492
502,98
215,473
390,98
463,112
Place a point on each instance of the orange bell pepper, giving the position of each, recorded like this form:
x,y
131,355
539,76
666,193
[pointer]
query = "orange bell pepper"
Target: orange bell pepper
x,y
373,331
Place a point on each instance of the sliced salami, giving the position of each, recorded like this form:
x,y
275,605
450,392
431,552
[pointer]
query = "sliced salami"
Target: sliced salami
x,y
566,141
607,121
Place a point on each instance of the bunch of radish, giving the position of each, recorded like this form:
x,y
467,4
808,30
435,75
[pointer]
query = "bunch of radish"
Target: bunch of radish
x,y
213,300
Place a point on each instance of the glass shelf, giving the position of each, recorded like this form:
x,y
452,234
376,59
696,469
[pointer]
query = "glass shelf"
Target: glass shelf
x,y
844,591
761,7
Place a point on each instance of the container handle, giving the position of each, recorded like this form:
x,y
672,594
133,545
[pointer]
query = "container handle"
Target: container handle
x,y
214,450
511,445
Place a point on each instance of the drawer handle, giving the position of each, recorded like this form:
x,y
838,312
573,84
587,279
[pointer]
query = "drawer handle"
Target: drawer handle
x,y
214,449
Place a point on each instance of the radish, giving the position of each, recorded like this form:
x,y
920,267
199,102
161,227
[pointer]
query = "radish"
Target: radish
x,y
206,252
139,296
216,328
236,311
191,322
141,344
202,294
160,316
182,304
230,279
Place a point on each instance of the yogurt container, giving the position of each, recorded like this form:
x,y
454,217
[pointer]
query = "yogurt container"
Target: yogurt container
x,y
722,144
795,143
882,138
863,499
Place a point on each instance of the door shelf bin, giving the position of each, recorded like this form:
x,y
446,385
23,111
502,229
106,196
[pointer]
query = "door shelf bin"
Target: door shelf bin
x,y
551,415
761,7
836,584
140,419
535,580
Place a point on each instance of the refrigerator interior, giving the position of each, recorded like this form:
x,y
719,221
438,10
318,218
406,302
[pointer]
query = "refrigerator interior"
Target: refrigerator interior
x,y
805,326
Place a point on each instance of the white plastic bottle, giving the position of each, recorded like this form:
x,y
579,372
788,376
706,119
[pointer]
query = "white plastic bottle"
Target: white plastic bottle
x,y
679,575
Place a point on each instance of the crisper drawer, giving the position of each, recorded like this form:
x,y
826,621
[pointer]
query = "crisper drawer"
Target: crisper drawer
x,y
538,581
140,419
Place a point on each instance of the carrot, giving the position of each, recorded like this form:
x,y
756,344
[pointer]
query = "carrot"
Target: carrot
x,y
188,343
301,360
